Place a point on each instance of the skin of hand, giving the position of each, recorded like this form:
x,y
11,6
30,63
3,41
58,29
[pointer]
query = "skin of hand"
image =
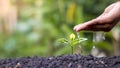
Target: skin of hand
x,y
105,22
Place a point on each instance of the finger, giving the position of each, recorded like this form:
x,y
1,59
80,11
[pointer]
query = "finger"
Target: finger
x,y
80,27
101,27
85,25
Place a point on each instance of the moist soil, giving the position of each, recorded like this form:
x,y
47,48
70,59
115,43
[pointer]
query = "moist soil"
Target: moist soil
x,y
63,61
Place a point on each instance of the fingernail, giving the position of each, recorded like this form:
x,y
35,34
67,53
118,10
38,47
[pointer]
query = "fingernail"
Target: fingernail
x,y
74,28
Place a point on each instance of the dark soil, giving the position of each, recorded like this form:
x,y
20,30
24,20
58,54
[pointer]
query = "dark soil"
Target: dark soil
x,y
64,61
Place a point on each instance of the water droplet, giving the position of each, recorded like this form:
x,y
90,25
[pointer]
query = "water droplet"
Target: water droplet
x,y
93,46
94,39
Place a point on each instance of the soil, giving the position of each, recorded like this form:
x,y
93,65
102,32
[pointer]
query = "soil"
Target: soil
x,y
63,61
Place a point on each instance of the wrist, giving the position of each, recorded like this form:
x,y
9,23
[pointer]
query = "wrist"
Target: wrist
x,y
118,1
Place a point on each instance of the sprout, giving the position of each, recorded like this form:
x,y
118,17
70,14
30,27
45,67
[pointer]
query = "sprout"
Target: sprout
x,y
72,36
72,41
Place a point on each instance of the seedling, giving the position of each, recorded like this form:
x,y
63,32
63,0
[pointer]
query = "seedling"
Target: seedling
x,y
72,41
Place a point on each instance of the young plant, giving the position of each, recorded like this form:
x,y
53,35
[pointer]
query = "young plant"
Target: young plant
x,y
72,41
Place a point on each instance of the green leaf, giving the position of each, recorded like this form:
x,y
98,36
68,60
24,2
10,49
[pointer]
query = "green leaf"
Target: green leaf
x,y
63,40
75,42
82,39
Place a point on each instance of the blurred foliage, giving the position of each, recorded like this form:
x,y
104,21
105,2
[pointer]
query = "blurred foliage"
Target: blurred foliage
x,y
42,22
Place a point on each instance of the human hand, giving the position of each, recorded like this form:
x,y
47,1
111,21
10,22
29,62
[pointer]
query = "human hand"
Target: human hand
x,y
105,22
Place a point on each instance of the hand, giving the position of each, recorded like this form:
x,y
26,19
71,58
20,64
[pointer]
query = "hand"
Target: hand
x,y
105,22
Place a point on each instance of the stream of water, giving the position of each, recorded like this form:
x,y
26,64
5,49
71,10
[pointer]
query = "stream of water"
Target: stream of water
x,y
78,36
98,36
80,40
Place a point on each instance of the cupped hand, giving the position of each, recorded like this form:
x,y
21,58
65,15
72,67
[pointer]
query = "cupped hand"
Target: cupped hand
x,y
105,22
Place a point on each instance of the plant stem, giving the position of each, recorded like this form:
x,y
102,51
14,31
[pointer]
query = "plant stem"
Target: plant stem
x,y
72,49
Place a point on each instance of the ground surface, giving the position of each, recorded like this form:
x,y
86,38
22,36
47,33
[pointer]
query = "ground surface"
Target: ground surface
x,y
63,61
